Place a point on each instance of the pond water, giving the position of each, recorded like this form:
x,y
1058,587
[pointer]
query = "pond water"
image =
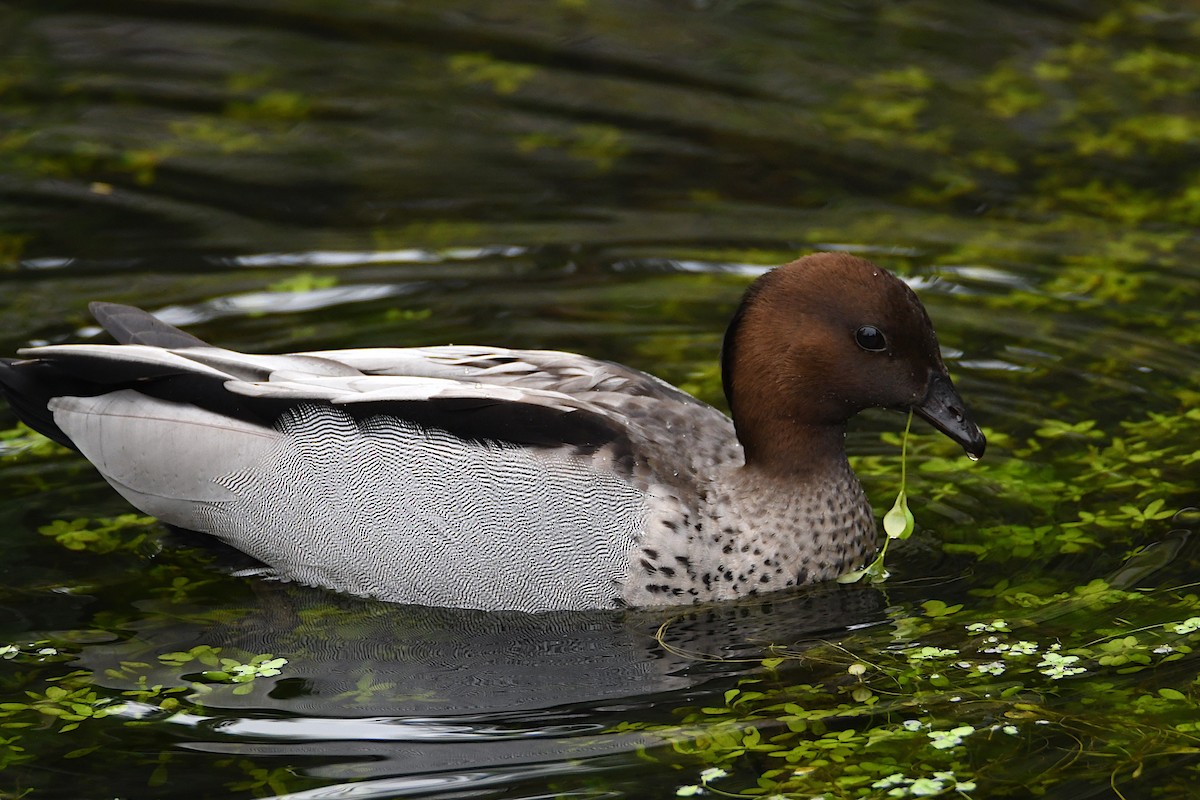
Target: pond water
x,y
607,176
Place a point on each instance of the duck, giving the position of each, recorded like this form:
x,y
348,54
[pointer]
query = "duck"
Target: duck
x,y
497,479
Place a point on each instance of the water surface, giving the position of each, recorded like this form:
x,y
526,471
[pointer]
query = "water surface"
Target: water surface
x,y
607,177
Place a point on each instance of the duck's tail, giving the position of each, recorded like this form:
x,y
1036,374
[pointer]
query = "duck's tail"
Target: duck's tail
x,y
29,385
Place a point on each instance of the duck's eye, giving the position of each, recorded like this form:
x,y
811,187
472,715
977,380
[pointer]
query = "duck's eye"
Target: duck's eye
x,y
870,338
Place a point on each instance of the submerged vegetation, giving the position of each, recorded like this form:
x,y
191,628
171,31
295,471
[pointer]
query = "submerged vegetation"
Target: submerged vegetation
x,y
1047,693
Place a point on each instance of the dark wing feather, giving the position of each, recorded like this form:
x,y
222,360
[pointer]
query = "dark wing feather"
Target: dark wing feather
x,y
130,325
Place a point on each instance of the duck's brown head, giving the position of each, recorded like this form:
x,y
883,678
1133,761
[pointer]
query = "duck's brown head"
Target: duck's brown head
x,y
818,340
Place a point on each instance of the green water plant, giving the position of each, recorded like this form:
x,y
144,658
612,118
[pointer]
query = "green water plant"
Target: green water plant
x,y
42,693
223,669
898,522
103,535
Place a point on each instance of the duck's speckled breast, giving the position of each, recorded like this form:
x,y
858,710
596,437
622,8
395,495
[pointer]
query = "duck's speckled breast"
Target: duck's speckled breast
x,y
716,531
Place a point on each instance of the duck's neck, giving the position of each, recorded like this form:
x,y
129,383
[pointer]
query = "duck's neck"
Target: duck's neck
x,y
802,454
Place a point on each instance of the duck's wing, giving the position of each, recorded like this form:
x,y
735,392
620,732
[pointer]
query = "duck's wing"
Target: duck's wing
x,y
549,370
523,397
258,389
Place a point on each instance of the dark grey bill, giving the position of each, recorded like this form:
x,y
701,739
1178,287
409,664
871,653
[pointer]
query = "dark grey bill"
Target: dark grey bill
x,y
945,410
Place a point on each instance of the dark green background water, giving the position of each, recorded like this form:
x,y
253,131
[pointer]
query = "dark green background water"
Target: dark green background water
x,y
606,177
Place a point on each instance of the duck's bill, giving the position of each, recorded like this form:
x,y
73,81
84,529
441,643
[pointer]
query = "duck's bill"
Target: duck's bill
x,y
944,409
